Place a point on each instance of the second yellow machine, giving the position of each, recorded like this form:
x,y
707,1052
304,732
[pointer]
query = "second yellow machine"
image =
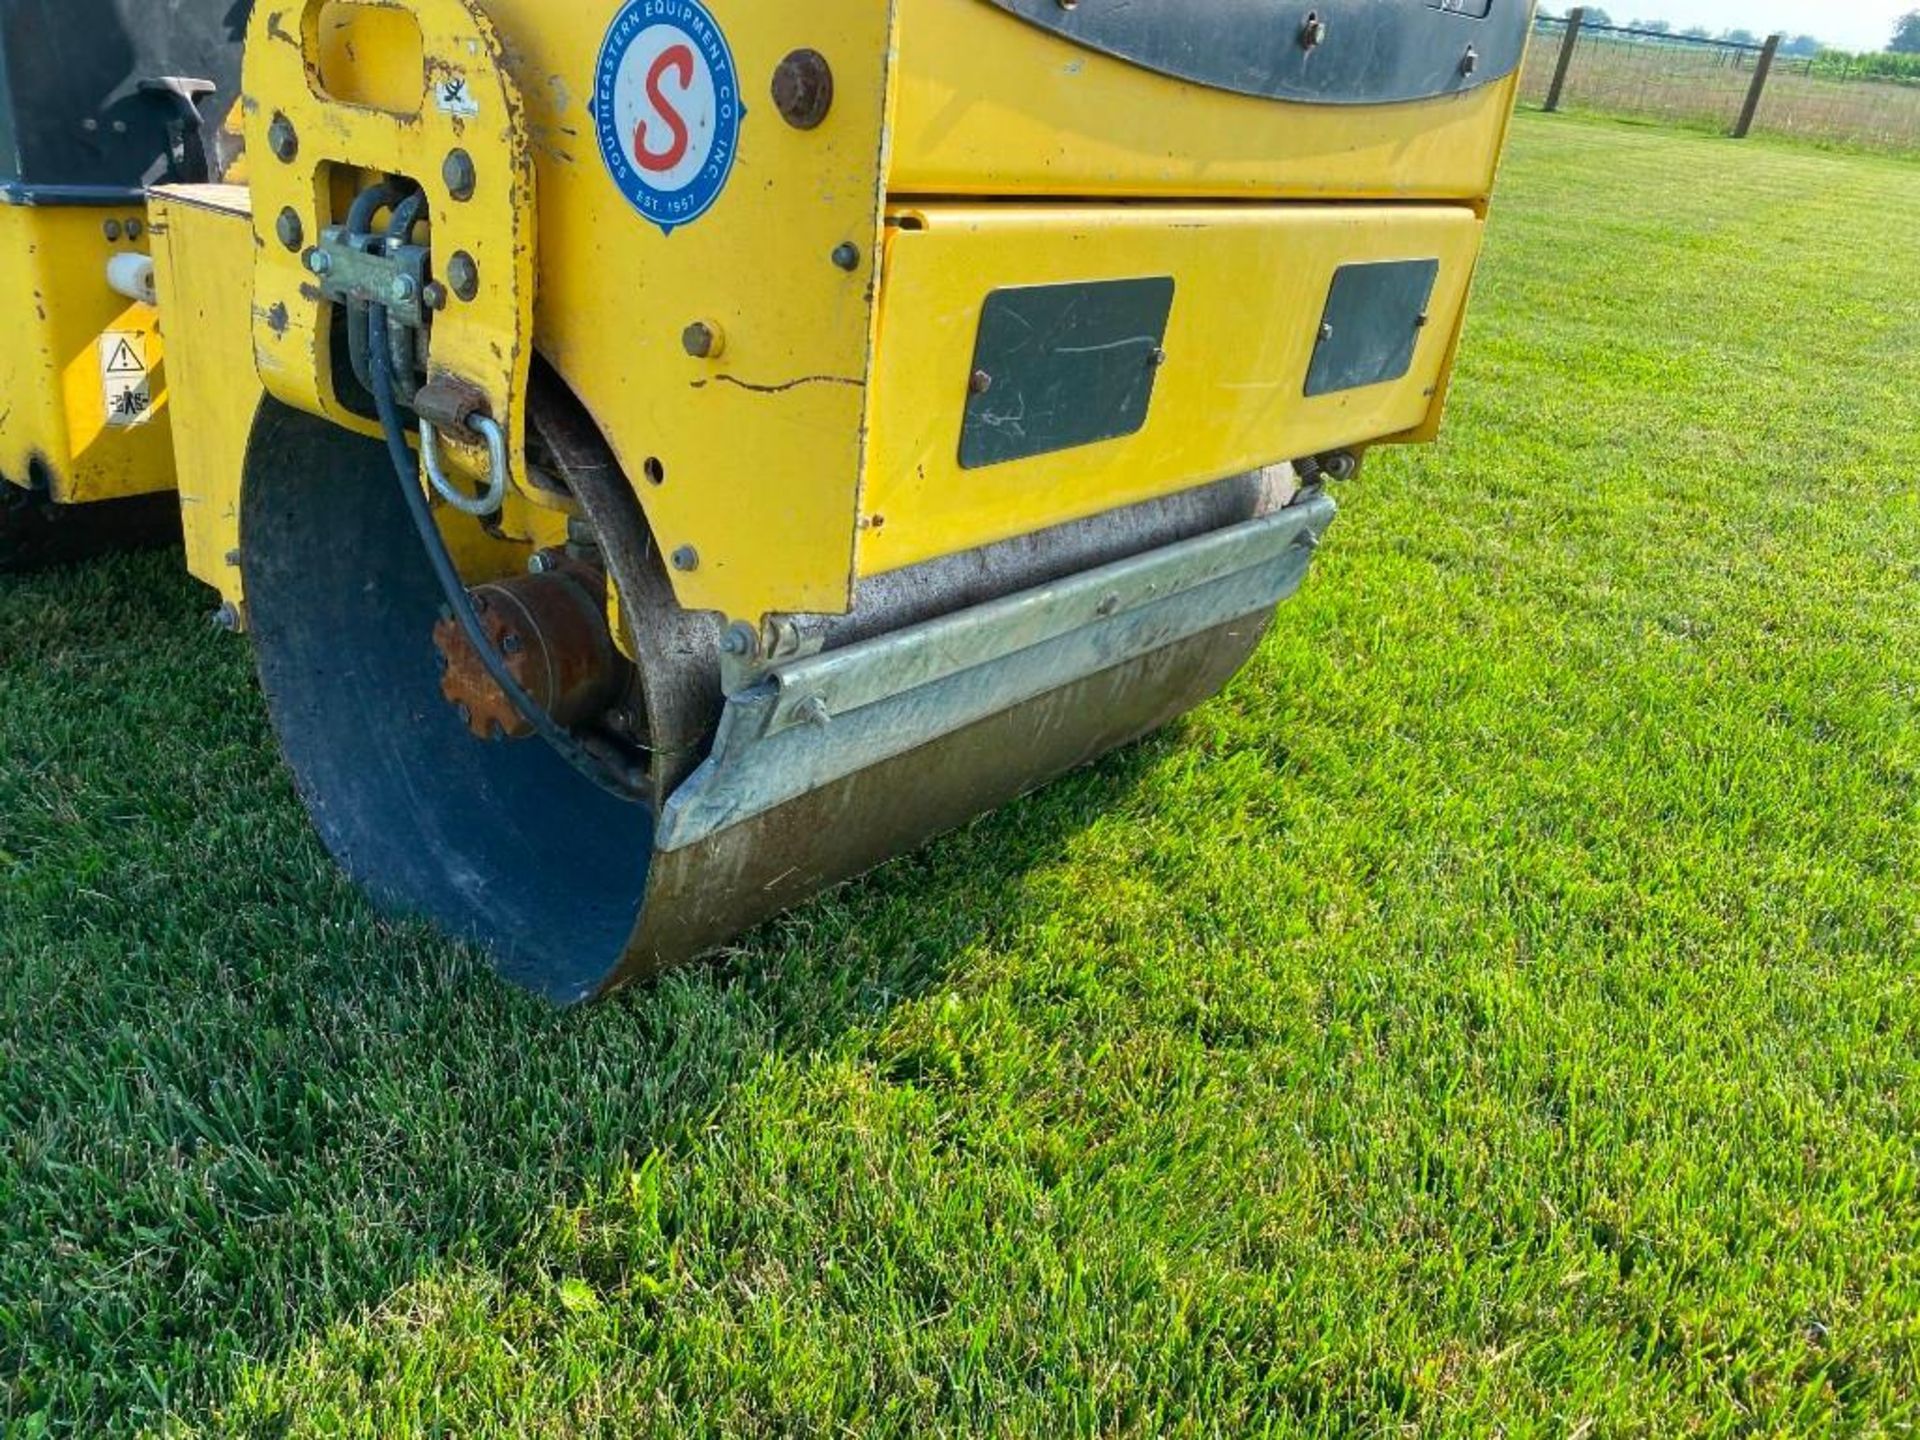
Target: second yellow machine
x,y
672,455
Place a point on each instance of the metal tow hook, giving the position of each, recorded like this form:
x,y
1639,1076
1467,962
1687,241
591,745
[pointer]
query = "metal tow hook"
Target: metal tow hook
x,y
450,403
489,503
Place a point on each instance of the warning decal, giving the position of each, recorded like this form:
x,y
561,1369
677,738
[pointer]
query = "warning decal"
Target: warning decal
x,y
126,379
454,98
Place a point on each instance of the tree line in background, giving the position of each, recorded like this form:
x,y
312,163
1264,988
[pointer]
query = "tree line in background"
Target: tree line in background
x,y
1899,61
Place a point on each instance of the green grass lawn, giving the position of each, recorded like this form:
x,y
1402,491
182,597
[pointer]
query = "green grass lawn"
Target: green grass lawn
x,y
1500,1010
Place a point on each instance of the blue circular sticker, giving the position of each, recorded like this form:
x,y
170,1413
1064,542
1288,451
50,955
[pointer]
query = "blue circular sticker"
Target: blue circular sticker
x,y
666,102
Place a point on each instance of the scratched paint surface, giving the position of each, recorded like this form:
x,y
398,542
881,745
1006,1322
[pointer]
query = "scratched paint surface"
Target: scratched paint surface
x,y
815,443
759,447
1061,366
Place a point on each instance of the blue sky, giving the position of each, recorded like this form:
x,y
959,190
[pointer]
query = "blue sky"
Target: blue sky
x,y
1849,24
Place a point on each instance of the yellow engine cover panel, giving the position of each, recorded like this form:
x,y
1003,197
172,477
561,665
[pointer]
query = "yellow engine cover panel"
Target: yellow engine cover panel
x,y
85,408
990,105
1251,283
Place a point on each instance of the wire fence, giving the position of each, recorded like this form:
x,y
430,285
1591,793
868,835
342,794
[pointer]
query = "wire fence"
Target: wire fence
x,y
1871,111
1718,84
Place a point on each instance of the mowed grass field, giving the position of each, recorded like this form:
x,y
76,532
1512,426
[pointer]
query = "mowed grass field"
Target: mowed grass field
x,y
1499,1012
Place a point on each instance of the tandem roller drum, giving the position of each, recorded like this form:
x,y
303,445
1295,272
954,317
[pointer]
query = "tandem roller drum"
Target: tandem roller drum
x,y
951,689
703,452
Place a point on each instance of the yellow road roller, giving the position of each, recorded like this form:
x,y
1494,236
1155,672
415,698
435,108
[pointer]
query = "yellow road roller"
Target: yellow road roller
x,y
671,456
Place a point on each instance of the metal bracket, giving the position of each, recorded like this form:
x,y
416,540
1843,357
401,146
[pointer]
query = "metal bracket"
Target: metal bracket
x,y
363,270
749,654
360,271
474,165
816,720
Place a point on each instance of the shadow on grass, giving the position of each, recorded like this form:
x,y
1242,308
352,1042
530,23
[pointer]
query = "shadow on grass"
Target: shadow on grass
x,y
240,1107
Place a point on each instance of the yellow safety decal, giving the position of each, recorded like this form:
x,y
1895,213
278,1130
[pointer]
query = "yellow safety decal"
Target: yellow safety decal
x,y
126,385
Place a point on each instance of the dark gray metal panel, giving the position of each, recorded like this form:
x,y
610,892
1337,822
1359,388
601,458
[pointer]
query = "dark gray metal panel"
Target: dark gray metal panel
x,y
1060,366
1372,324
1326,52
72,112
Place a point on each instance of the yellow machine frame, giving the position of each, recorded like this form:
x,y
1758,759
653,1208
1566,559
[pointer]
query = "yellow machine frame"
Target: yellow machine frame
x,y
63,367
810,447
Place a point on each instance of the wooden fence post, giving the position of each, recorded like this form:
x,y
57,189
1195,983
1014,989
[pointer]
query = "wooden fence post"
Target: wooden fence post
x,y
1759,87
1575,18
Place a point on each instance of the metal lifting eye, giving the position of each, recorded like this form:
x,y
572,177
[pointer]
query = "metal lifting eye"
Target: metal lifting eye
x,y
487,504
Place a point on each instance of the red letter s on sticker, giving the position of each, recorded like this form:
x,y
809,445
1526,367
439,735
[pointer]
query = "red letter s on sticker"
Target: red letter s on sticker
x,y
677,58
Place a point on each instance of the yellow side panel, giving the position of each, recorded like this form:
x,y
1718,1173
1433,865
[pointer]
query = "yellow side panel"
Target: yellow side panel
x,y
758,450
78,411
203,240
989,104
1251,284
749,459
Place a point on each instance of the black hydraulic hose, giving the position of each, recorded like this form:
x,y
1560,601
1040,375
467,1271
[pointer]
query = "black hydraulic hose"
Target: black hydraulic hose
x,y
405,216
407,468
368,204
